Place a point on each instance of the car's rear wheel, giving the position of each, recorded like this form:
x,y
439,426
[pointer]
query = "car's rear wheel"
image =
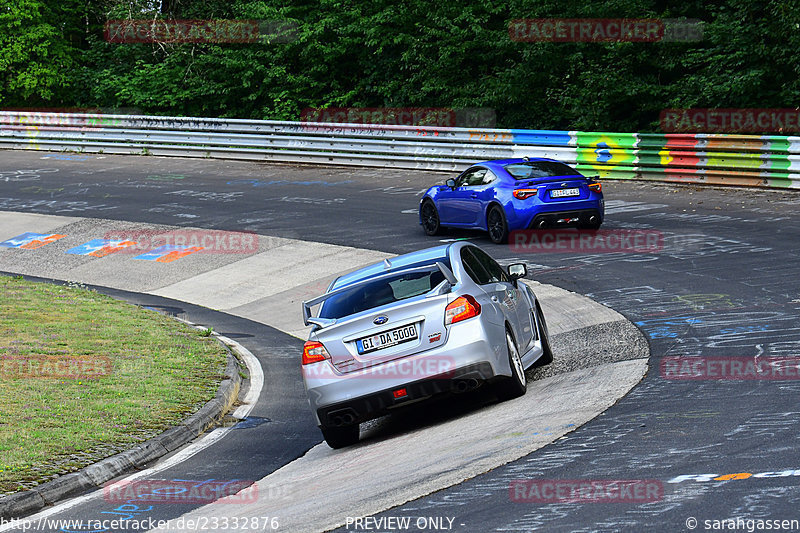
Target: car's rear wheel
x,y
544,336
516,385
340,437
497,225
429,216
592,223
590,226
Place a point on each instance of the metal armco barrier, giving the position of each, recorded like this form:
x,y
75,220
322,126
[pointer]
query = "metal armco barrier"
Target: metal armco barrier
x,y
746,160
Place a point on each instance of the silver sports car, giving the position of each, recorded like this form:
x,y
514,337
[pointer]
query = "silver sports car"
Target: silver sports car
x,y
445,319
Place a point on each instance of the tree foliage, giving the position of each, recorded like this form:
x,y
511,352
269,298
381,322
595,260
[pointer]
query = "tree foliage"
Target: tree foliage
x,y
416,53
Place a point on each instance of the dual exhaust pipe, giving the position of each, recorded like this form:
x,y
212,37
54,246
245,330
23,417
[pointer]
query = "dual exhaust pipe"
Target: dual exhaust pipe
x,y
464,385
342,418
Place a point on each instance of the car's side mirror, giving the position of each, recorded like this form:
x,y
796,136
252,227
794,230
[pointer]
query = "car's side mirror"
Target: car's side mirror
x,y
451,183
517,271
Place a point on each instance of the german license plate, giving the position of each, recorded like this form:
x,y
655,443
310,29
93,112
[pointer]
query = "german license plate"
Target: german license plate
x,y
561,193
386,339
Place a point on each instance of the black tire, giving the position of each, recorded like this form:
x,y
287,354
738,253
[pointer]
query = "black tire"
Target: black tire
x,y
497,225
429,216
591,227
516,385
340,437
544,336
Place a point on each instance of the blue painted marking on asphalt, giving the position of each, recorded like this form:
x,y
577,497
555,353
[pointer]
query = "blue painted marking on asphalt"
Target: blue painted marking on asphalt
x,y
22,239
743,329
65,157
130,510
161,251
95,245
251,422
667,328
260,183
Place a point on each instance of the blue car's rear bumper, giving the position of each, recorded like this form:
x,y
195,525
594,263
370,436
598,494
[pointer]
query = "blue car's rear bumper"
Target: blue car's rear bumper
x,y
556,214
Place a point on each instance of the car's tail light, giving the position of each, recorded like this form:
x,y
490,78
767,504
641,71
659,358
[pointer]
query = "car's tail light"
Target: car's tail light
x,y
461,308
522,194
596,186
314,352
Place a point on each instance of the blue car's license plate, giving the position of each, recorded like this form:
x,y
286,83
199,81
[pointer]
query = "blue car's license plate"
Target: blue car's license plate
x,y
386,339
561,193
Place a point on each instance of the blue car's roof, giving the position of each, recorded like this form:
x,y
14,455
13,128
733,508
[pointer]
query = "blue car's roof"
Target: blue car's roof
x,y
427,256
504,162
497,165
500,163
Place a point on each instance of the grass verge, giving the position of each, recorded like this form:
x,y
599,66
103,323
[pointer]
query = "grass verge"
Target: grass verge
x,y
84,376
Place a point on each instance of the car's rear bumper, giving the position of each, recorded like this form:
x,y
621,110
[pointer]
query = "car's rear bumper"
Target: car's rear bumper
x,y
524,215
474,352
572,217
382,402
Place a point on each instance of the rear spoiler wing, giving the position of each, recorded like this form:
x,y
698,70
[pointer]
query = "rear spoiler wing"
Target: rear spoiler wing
x,y
309,304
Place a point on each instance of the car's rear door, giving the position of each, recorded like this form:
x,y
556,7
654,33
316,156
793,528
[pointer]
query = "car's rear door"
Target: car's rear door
x,y
507,295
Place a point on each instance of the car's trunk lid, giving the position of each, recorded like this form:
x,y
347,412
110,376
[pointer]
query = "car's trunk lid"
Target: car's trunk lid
x,y
386,333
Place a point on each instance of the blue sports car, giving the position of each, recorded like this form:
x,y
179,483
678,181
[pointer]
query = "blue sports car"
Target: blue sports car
x,y
513,194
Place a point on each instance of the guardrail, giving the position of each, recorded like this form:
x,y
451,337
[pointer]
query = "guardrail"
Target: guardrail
x,y
714,159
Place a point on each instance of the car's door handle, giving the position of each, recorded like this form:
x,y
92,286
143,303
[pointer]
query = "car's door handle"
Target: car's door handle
x,y
474,195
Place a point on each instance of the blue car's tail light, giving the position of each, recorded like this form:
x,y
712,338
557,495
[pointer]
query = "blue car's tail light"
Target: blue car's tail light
x,y
522,194
596,186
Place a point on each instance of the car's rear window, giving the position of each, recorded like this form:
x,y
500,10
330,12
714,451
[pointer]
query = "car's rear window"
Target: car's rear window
x,y
381,292
539,169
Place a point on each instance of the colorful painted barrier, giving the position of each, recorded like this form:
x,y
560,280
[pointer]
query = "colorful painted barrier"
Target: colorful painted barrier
x,y
768,161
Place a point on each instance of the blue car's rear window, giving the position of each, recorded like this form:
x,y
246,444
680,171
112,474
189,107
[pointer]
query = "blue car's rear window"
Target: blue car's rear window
x,y
539,169
380,292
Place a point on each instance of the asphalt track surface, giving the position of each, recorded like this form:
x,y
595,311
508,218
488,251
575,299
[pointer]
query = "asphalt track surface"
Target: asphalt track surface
x,y
725,285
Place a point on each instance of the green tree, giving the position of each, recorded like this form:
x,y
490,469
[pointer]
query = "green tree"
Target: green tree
x,y
37,54
382,53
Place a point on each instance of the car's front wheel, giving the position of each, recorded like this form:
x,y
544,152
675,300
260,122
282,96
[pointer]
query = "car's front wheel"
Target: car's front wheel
x,y
516,385
340,437
429,216
497,225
